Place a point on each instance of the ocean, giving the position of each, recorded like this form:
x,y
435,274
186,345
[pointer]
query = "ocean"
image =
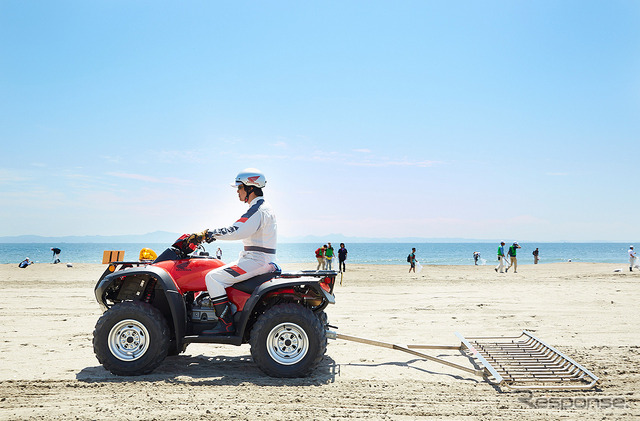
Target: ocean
x,y
359,253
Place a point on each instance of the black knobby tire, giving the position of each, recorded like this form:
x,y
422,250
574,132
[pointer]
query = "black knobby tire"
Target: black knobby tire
x,y
131,339
324,319
288,340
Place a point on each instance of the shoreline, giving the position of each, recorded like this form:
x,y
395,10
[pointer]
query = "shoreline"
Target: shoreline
x,y
454,254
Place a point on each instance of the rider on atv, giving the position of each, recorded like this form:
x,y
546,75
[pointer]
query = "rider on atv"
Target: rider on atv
x,y
257,229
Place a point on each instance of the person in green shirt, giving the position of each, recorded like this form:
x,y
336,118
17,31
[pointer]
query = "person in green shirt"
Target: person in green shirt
x,y
500,258
512,255
328,255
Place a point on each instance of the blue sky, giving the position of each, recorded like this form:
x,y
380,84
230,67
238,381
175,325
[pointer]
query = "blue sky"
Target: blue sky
x,y
490,120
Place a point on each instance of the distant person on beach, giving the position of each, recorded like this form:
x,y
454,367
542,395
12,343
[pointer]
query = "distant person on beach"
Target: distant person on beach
x,y
26,262
328,256
512,255
56,254
320,257
219,254
342,256
632,259
500,266
476,256
535,256
412,260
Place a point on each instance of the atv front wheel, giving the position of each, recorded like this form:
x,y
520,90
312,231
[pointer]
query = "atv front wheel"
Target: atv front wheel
x,y
131,338
288,341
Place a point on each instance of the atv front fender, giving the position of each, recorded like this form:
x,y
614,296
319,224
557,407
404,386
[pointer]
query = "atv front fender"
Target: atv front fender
x,y
164,285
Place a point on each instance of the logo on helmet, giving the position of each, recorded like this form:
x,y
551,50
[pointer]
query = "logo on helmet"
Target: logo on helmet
x,y
253,179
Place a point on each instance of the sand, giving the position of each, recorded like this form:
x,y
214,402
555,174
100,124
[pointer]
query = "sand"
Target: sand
x,y
588,311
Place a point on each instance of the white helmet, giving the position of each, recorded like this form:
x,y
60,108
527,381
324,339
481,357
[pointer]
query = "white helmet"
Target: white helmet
x,y
250,177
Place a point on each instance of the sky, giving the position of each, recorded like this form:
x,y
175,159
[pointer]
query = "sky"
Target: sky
x,y
512,120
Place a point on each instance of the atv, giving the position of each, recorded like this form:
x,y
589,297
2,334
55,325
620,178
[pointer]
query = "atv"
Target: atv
x,y
156,308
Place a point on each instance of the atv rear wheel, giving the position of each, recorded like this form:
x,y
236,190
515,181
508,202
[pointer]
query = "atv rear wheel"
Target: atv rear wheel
x,y
324,319
288,341
131,338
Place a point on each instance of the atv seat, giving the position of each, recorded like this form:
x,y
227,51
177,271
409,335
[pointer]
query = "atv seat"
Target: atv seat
x,y
252,283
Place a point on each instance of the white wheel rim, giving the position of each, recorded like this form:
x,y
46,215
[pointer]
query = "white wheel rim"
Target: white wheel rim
x,y
287,343
128,340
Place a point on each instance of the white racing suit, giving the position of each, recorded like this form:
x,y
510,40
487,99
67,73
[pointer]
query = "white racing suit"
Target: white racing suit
x,y
257,229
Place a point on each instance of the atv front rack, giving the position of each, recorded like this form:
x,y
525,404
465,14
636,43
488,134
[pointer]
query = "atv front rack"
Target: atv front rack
x,y
520,363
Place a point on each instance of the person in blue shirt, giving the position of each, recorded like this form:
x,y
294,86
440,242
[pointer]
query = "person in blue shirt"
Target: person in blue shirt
x,y
56,254
342,256
26,262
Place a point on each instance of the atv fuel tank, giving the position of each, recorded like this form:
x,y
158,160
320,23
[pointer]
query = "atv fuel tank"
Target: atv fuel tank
x,y
189,274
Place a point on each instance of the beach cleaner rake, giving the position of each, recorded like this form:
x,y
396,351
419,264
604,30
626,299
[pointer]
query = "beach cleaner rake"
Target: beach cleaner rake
x,y
519,363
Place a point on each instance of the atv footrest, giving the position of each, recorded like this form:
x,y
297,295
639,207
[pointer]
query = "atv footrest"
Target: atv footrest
x,y
213,339
312,273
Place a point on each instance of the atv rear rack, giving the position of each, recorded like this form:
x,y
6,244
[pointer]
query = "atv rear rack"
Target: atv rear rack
x,y
520,363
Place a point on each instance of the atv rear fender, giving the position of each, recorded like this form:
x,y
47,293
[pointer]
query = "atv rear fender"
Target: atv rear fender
x,y
286,282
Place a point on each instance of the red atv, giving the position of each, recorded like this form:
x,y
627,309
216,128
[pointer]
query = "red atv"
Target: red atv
x,y
156,309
